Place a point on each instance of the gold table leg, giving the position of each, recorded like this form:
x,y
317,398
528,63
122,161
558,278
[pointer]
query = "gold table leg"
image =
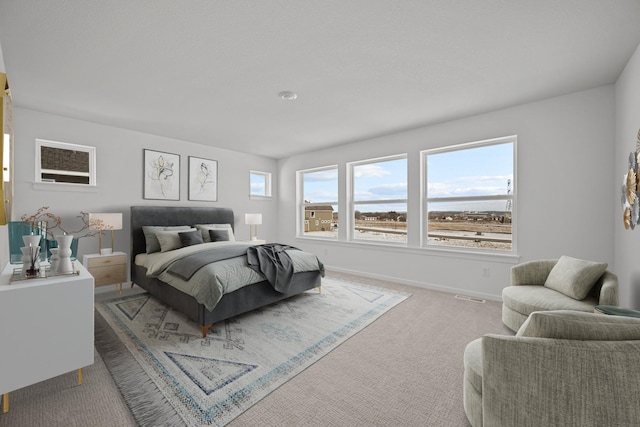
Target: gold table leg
x,y
5,403
79,376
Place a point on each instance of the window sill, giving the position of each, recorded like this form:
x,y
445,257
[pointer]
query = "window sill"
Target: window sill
x,y
507,258
58,186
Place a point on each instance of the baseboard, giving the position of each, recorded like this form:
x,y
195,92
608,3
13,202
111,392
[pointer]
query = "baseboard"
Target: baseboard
x,y
424,285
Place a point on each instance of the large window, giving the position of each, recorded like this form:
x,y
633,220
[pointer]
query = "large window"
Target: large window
x,y
379,200
318,215
470,195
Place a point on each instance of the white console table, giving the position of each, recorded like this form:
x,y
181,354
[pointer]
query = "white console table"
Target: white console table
x,y
46,328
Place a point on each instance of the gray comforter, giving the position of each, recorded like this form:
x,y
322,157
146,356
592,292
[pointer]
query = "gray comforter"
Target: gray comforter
x,y
209,283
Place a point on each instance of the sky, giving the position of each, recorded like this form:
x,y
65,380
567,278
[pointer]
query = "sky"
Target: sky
x,y
477,171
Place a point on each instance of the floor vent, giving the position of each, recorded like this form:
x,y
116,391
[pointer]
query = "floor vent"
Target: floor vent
x,y
472,299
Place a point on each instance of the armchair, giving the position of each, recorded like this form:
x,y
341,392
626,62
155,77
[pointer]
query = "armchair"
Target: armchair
x,y
529,290
563,368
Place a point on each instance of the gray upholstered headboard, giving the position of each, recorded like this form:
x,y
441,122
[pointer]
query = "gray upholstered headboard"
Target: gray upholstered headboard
x,y
172,215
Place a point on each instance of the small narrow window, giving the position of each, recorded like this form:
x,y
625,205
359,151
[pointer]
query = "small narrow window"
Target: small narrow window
x,y
260,184
62,163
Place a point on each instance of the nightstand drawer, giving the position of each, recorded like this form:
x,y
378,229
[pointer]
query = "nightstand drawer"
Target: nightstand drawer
x,y
109,275
106,261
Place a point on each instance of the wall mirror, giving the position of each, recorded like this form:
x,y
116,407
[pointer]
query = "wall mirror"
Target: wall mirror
x,y
63,163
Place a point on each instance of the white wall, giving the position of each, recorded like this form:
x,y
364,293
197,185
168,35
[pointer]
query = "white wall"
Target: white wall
x,y
627,242
119,175
564,181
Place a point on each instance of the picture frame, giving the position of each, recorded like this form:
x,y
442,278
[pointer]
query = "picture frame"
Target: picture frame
x,y
203,179
161,175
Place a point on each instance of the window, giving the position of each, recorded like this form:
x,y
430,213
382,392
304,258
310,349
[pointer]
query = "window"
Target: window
x,y
470,195
379,200
318,195
59,162
260,184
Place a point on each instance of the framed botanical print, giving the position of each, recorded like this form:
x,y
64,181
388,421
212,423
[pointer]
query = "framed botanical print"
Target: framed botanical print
x,y
161,175
203,179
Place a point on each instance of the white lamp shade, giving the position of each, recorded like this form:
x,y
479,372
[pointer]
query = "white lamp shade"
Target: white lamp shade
x,y
253,218
105,221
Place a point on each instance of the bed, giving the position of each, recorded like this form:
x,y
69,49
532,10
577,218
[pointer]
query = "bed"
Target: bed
x,y
245,298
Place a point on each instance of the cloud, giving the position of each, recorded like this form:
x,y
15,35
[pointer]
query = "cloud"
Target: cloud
x,y
319,176
370,171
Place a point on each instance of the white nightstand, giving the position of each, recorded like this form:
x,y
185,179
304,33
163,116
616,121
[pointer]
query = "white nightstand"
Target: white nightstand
x,y
107,269
46,328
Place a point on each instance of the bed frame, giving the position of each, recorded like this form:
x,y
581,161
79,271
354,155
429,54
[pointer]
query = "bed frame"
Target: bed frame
x,y
237,302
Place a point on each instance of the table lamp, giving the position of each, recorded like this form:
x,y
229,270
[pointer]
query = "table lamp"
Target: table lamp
x,y
105,221
253,220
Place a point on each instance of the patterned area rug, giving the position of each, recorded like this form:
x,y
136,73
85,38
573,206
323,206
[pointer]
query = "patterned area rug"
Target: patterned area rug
x,y
170,375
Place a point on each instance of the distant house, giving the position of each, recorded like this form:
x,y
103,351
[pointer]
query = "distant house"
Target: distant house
x,y
318,218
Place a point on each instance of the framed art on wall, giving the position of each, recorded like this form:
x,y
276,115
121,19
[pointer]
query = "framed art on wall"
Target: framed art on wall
x,y
161,175
203,179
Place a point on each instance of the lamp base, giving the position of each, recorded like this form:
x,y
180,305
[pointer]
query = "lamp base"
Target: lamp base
x,y
106,251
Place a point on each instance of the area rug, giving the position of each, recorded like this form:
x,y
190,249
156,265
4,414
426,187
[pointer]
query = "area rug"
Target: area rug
x,y
169,375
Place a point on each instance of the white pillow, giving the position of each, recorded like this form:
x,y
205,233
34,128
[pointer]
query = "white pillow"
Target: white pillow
x,y
170,239
204,229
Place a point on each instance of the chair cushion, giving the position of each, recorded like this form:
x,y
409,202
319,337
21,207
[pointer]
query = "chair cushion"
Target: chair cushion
x,y
473,364
574,277
527,299
574,325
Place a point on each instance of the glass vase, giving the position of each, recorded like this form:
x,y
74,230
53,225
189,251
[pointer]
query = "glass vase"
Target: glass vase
x,y
17,229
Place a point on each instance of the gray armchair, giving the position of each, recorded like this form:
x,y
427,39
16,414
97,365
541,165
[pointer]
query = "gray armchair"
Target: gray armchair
x,y
528,292
562,368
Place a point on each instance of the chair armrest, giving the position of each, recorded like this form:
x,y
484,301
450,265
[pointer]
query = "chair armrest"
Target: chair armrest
x,y
609,291
532,272
542,381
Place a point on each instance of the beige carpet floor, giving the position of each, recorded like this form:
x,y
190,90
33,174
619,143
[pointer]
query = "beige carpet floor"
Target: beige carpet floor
x,y
405,369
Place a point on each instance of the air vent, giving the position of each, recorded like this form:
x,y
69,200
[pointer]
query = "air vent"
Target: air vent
x,y
472,299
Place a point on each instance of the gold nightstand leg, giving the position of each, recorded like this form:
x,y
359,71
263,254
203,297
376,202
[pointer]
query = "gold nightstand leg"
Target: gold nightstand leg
x,y
119,287
5,403
79,376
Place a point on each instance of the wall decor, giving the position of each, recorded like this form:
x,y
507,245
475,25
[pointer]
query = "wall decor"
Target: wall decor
x,y
631,189
203,179
161,175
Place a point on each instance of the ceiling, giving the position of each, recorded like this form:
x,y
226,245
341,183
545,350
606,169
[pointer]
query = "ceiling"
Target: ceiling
x,y
210,71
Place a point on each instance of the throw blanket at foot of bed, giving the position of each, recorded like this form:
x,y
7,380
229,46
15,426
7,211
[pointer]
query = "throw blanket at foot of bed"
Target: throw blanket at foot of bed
x,y
273,263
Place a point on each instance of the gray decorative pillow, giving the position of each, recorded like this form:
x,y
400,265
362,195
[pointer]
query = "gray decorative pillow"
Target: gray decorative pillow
x,y
574,277
190,238
150,235
170,239
204,228
219,235
577,325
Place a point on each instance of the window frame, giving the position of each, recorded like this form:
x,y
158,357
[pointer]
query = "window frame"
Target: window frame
x,y
267,185
351,202
425,199
91,151
302,205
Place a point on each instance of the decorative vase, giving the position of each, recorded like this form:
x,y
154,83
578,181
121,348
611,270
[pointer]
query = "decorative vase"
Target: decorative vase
x,y
18,229
64,254
51,244
30,261
54,259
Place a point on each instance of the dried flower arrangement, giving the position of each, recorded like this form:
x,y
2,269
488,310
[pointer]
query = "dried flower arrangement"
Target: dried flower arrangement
x,y
55,223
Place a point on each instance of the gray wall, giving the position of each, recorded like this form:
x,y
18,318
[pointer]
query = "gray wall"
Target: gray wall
x,y
627,242
119,175
564,185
